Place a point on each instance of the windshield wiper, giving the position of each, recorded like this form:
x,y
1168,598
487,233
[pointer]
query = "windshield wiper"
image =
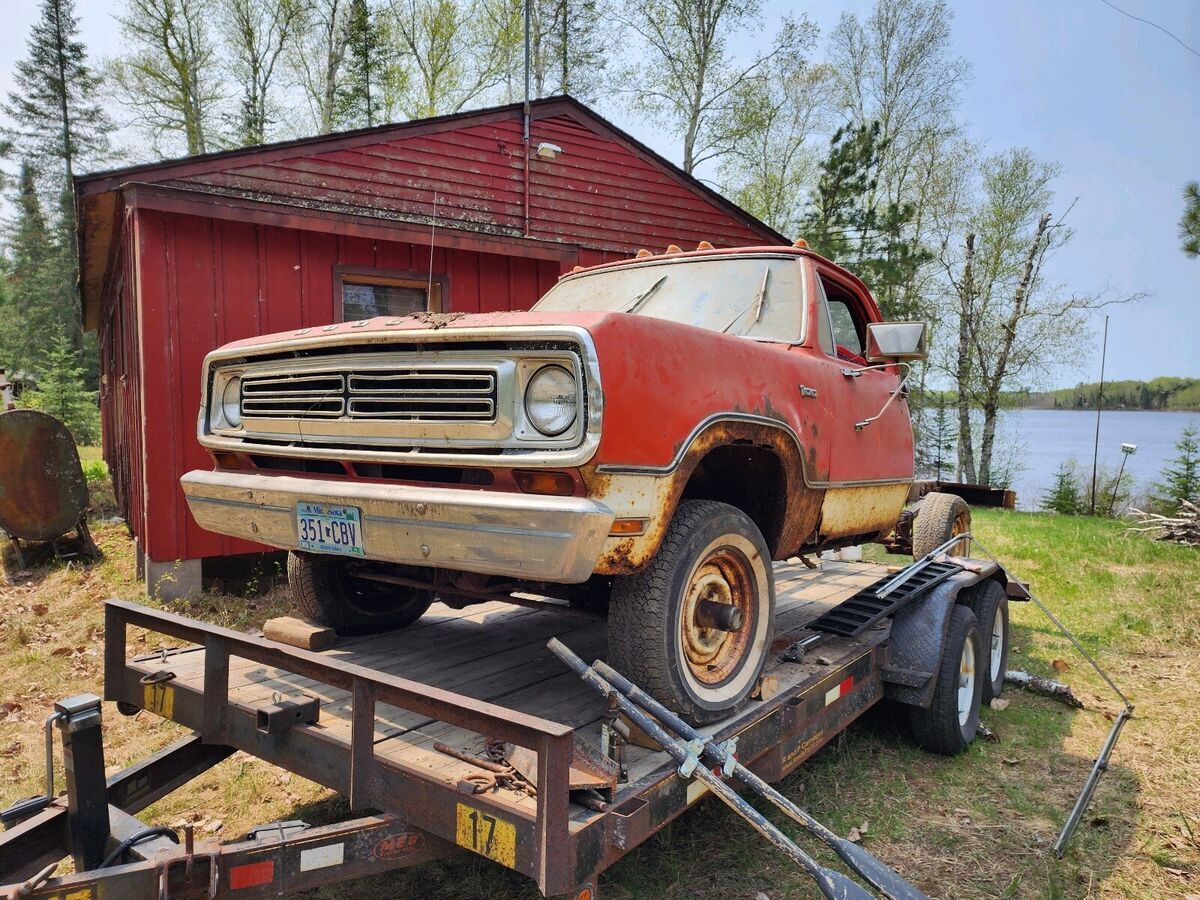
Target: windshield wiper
x,y
756,305
636,303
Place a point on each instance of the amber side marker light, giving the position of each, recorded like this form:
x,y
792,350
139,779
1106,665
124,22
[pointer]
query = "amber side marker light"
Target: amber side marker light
x,y
227,460
560,484
625,527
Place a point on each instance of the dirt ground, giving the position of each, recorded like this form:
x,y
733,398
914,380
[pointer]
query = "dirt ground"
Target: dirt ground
x,y
977,825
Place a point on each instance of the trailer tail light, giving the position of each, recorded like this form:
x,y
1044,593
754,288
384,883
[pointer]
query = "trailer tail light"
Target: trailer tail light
x,y
560,484
252,875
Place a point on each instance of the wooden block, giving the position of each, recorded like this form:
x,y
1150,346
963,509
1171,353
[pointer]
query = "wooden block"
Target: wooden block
x,y
767,687
298,633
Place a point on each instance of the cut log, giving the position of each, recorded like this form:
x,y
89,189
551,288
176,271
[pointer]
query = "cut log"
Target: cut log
x,y
1047,687
298,633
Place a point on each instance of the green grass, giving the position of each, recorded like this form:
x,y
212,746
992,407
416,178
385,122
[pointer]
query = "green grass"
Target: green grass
x,y
976,825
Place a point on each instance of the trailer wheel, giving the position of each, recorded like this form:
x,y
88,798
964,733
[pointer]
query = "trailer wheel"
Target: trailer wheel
x,y
327,593
990,604
940,517
952,719
667,631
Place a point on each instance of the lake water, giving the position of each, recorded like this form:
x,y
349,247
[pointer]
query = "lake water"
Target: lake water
x,y
1042,439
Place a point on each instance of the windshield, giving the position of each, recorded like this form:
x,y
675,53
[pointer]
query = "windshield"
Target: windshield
x,y
751,296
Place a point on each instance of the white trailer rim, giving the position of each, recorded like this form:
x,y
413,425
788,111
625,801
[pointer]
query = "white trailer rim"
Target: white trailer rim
x,y
966,682
997,652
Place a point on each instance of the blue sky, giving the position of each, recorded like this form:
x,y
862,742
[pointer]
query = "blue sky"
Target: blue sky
x,y
1115,102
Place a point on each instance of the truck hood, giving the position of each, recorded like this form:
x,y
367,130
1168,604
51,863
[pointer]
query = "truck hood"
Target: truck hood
x,y
430,323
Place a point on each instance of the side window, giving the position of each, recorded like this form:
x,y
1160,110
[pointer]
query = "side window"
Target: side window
x,y
364,295
847,326
824,329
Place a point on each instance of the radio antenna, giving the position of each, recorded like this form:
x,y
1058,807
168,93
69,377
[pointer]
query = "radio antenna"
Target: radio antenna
x,y
432,240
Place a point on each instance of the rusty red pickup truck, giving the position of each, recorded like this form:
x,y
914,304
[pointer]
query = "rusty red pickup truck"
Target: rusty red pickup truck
x,y
644,441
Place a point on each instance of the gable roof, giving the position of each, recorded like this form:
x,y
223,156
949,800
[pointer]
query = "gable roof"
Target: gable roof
x,y
468,171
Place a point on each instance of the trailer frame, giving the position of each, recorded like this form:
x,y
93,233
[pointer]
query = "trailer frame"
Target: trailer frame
x,y
423,818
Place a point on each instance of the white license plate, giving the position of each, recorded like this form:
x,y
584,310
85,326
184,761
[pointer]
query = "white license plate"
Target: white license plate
x,y
330,529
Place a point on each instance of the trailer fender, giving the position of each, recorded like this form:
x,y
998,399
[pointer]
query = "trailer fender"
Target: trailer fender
x,y
918,636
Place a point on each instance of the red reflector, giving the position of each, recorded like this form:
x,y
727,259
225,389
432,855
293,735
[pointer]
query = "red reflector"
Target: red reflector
x,y
252,874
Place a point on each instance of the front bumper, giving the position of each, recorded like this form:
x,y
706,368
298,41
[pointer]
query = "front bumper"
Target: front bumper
x,y
523,536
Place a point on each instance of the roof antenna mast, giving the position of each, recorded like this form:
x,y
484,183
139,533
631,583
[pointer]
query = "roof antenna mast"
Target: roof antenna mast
x,y
525,129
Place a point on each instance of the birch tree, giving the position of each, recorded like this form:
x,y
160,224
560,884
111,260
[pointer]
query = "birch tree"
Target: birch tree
x,y
690,80
1011,326
453,54
170,77
769,170
256,34
316,58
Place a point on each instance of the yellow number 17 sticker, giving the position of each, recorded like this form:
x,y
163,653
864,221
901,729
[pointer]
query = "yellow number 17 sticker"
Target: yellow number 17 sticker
x,y
487,835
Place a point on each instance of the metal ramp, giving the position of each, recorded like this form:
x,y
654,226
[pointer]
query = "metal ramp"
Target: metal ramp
x,y
877,601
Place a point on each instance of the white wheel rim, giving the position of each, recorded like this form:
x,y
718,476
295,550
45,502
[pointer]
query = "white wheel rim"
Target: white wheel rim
x,y
997,655
966,682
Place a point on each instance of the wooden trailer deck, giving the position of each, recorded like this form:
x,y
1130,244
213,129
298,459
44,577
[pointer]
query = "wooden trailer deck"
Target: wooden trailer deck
x,y
497,652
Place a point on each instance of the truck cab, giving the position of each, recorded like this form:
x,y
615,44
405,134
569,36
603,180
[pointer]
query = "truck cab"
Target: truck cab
x,y
644,441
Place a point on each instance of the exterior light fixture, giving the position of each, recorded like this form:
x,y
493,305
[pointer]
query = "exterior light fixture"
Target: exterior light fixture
x,y
547,151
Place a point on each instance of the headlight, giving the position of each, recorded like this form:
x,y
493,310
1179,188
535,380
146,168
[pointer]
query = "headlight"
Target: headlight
x,y
231,402
551,402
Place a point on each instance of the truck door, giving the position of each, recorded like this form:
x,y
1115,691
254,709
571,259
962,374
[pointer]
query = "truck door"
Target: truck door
x,y
882,450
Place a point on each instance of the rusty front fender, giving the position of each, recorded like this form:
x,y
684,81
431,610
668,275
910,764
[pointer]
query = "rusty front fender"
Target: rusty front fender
x,y
784,507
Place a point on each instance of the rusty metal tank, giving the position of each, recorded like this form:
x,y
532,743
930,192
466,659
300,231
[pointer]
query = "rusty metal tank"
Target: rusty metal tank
x,y
43,493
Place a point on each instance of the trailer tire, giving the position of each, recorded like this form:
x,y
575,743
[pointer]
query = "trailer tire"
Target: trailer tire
x,y
711,552
326,593
940,517
990,605
951,721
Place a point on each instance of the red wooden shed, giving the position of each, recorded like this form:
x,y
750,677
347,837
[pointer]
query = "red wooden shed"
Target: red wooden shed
x,y
450,213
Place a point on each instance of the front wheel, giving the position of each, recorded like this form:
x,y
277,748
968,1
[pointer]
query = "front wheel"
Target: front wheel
x,y
940,517
694,627
328,593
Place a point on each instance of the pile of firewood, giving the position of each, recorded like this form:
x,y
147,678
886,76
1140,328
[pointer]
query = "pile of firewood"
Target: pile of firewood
x,y
1181,528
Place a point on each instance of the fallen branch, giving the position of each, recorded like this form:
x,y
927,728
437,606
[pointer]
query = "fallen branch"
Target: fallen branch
x,y
1181,528
1047,687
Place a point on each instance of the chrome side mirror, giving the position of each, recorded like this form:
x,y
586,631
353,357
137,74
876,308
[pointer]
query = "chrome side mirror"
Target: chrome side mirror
x,y
891,341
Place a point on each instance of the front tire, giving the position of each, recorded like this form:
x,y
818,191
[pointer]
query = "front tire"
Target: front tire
x,y
327,593
661,631
950,723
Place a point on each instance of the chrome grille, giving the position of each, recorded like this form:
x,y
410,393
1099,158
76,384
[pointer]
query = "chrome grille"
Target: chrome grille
x,y
391,394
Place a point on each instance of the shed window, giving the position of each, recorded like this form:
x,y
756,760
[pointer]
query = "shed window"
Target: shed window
x,y
367,295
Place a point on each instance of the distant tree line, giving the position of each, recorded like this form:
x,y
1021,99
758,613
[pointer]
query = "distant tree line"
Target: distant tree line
x,y
853,139
1157,394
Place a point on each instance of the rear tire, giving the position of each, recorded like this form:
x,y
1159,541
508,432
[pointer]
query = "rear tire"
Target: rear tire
x,y
990,604
711,553
950,723
940,517
325,592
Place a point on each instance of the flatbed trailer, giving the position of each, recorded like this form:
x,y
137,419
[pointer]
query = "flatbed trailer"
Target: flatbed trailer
x,y
363,719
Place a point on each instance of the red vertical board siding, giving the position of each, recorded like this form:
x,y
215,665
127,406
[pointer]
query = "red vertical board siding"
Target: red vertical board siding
x,y
320,253
462,270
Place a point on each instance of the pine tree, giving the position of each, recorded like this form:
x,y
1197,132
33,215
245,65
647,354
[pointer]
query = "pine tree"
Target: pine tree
x,y
1181,479
57,123
61,393
356,101
848,223
1065,497
42,302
